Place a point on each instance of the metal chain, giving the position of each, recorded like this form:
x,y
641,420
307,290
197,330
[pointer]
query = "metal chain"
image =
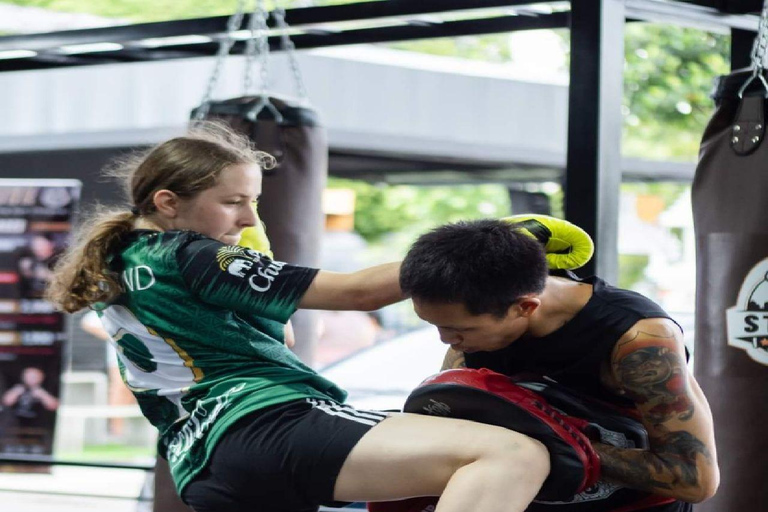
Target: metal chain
x,y
759,51
257,46
264,48
760,47
251,51
290,48
225,45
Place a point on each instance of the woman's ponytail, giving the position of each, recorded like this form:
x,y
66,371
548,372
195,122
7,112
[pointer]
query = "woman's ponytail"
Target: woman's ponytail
x,y
81,277
184,165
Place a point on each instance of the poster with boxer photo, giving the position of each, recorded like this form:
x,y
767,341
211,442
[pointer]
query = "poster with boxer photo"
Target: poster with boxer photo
x,y
36,219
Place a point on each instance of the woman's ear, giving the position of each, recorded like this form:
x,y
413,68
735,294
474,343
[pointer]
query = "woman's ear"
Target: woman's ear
x,y
166,203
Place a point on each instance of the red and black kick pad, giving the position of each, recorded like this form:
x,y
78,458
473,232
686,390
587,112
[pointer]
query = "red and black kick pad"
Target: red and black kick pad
x,y
489,397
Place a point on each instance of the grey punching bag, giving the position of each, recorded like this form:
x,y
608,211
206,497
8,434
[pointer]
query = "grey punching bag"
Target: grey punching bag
x,y
731,347
291,200
290,204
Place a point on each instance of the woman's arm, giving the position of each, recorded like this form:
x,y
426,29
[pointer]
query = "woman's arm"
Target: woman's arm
x,y
365,290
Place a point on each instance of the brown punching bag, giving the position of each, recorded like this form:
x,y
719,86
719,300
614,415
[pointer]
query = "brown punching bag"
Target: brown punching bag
x,y
730,207
290,204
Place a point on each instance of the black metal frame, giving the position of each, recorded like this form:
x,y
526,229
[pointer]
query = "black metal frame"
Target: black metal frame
x,y
312,39
593,150
319,31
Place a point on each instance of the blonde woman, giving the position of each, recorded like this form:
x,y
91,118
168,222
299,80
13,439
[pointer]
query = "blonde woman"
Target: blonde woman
x,y
199,320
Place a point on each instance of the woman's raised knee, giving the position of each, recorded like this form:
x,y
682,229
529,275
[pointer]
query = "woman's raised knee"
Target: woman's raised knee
x,y
518,454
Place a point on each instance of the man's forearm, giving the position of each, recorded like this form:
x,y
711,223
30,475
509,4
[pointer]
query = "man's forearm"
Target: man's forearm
x,y
671,470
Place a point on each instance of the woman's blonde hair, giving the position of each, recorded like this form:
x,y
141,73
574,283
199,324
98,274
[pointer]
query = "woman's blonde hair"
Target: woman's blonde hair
x,y
184,165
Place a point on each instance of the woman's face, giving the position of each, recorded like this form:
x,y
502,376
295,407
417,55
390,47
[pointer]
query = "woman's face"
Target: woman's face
x,y
224,210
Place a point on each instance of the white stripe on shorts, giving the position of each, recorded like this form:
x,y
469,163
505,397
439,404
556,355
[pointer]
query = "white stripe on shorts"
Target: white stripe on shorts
x,y
344,411
374,415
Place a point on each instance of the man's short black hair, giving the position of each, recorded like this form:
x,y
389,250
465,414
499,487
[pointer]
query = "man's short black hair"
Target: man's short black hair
x,y
486,265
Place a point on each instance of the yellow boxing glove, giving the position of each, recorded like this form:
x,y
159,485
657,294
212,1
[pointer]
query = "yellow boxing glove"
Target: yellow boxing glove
x,y
255,237
567,245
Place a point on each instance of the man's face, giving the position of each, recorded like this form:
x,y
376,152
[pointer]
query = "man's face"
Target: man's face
x,y
466,332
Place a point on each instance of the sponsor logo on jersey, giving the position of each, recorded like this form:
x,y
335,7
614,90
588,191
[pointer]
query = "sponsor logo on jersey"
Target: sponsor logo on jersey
x,y
198,423
229,253
263,278
239,266
748,320
253,265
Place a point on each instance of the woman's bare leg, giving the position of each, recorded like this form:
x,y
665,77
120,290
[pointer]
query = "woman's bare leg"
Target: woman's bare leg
x,y
473,466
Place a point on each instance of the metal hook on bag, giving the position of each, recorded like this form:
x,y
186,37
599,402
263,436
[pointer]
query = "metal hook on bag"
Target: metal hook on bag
x,y
261,104
759,51
756,73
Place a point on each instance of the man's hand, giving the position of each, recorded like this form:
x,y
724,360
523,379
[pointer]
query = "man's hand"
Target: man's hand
x,y
453,359
649,365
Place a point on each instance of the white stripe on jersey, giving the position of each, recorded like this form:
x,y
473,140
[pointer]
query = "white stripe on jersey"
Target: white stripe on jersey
x,y
171,379
347,412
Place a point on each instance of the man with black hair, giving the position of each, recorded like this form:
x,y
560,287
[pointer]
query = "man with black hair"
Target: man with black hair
x,y
487,288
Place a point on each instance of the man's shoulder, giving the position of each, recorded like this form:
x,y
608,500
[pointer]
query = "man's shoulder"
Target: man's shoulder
x,y
629,300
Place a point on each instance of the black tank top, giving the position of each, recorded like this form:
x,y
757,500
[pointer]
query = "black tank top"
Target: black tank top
x,y
573,355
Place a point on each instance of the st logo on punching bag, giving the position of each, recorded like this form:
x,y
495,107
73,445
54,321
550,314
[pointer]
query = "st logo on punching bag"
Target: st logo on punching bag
x,y
748,319
731,346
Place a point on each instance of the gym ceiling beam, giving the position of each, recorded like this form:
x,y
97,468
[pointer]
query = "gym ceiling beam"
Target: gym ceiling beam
x,y
298,17
730,6
688,14
315,27
310,39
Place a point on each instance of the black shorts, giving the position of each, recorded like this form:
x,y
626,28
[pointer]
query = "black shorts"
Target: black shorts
x,y
284,458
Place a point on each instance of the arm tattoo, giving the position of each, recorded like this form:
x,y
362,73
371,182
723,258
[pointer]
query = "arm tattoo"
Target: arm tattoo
x,y
672,465
454,359
655,379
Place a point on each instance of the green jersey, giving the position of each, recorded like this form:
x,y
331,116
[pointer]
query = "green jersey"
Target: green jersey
x,y
199,334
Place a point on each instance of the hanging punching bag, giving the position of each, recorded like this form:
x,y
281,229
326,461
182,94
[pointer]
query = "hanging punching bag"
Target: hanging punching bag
x,y
731,347
290,204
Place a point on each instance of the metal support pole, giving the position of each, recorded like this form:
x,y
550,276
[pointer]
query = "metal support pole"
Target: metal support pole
x,y
741,48
593,166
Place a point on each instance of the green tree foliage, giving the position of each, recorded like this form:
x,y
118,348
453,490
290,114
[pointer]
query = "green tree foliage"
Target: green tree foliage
x,y
382,209
668,77
632,269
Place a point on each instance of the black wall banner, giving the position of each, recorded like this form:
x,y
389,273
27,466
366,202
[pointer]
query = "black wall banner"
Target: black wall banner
x,y
35,223
731,356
